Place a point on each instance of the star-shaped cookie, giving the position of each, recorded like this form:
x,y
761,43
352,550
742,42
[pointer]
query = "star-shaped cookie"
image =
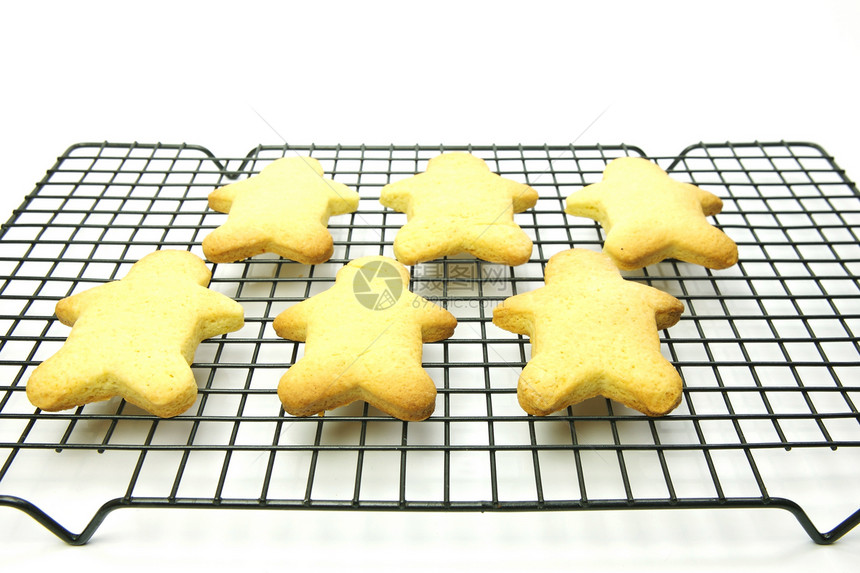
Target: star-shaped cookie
x,y
648,216
136,337
283,210
459,206
363,341
593,333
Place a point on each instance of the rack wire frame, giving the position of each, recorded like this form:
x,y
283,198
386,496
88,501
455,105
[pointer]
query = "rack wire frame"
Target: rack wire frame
x,y
768,349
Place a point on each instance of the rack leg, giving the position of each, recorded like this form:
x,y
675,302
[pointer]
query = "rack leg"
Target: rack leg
x,y
818,537
53,526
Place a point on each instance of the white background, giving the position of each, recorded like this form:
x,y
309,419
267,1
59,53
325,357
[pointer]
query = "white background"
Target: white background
x,y
659,75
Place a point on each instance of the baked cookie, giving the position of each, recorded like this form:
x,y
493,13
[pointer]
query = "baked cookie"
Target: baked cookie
x,y
593,333
283,210
363,341
459,206
648,216
136,338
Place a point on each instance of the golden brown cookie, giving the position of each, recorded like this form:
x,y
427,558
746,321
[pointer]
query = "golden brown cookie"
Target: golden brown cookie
x,y
283,210
136,338
648,216
593,333
459,206
363,341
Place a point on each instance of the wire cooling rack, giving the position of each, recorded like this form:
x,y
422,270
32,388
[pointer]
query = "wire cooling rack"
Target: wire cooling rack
x,y
767,349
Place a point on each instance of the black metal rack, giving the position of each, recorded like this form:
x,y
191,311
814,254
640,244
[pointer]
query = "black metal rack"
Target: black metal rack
x,y
768,349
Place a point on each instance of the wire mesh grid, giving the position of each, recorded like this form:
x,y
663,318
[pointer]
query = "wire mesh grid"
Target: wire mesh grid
x,y
767,349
